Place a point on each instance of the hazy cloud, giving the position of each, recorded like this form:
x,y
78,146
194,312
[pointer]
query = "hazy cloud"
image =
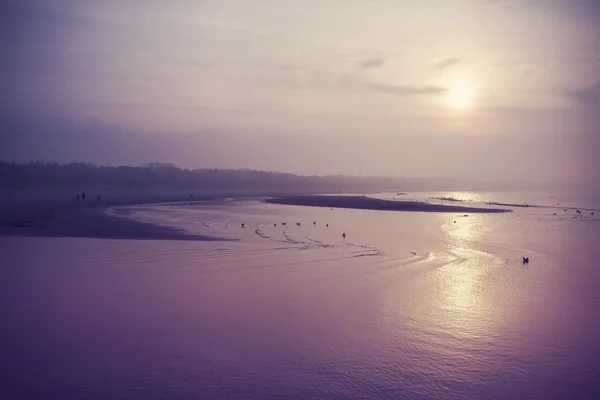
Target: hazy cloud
x,y
372,63
404,90
589,96
443,63
350,84
584,9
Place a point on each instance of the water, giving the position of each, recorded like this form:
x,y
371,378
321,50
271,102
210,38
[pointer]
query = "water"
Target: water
x,y
408,305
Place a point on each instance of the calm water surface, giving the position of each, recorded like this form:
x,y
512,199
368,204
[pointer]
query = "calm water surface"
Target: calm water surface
x,y
408,305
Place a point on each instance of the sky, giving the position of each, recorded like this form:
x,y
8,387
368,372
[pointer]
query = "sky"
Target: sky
x,y
483,89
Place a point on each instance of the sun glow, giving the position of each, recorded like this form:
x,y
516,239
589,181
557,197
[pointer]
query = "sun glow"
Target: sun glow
x,y
460,94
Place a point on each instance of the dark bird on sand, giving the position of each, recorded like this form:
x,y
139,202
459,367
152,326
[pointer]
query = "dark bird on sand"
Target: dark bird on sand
x,y
243,225
525,260
344,235
327,225
314,222
298,223
283,223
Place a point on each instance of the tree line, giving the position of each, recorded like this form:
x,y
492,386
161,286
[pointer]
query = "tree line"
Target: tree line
x,y
157,175
49,175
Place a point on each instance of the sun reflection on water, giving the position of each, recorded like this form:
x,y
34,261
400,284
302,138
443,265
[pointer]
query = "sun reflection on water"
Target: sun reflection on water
x,y
461,306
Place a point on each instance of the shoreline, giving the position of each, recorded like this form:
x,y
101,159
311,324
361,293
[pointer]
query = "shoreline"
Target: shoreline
x,y
88,221
368,203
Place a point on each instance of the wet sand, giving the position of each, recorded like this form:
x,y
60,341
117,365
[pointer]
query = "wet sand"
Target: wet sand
x,y
367,203
57,217
91,222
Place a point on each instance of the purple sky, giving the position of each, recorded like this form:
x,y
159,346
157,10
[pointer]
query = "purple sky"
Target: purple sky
x,y
500,89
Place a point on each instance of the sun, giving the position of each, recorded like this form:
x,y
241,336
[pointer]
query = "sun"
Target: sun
x,y
460,94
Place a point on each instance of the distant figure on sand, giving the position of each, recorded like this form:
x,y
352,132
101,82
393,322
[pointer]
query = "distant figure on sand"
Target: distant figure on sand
x,y
98,197
77,196
83,196
243,225
327,225
315,222
344,235
525,260
298,223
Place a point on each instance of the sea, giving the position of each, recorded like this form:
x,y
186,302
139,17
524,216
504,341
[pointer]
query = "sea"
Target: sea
x,y
312,303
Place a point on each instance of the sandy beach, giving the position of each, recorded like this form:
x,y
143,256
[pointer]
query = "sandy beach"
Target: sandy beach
x,y
32,214
368,203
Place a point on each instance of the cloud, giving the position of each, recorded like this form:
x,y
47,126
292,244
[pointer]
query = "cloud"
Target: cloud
x,y
443,63
589,96
403,90
372,63
350,84
584,9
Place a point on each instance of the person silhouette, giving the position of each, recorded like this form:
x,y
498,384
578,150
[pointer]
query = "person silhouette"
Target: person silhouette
x,y
77,196
98,197
83,196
